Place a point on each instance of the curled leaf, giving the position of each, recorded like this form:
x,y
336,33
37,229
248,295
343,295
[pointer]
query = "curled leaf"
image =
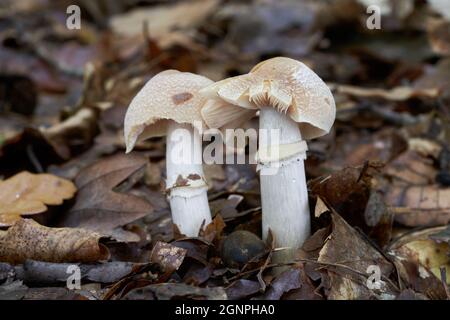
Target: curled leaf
x,y
168,256
27,239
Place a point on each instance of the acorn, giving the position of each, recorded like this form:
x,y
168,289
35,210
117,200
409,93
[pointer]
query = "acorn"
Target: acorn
x,y
240,247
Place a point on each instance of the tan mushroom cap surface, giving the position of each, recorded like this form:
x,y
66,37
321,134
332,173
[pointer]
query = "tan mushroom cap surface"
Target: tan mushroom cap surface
x,y
170,95
282,83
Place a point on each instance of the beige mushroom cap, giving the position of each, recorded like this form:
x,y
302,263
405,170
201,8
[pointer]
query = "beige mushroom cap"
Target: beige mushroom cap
x,y
282,83
168,96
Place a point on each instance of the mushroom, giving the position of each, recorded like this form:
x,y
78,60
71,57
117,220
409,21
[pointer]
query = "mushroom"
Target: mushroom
x,y
292,99
169,104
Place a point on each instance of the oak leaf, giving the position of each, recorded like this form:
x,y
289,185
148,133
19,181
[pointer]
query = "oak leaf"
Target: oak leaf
x,y
99,206
27,193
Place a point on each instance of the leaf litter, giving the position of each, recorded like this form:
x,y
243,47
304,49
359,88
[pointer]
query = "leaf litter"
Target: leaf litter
x,y
378,183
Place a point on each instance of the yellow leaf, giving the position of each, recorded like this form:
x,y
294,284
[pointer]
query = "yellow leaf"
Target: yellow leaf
x,y
27,193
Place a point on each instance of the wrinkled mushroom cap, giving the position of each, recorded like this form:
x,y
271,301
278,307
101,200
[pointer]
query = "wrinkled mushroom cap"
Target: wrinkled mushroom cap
x,y
168,96
282,83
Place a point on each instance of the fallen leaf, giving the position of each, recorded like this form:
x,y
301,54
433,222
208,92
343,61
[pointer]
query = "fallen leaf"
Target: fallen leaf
x,y
53,274
168,256
422,247
320,208
412,168
168,291
379,218
288,281
197,274
286,27
442,236
394,94
53,293
409,294
78,129
436,77
213,230
27,193
439,36
350,192
425,147
346,256
418,259
307,290
26,239
6,271
413,195
196,249
13,291
11,61
98,207
164,19
242,289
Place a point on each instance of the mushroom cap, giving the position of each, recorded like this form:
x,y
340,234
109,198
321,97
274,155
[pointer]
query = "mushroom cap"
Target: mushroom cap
x,y
282,83
170,95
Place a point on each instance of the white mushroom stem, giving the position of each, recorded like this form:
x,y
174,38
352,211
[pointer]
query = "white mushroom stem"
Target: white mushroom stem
x,y
284,194
185,179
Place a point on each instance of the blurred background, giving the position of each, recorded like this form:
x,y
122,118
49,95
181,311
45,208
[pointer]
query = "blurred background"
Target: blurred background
x,y
69,69
65,84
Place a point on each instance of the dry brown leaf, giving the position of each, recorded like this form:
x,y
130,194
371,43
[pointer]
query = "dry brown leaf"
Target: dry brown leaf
x,y
418,259
27,239
163,20
422,249
346,256
81,124
321,207
437,76
394,94
167,291
168,256
214,229
97,206
439,36
348,192
425,147
412,169
420,205
413,195
27,193
292,284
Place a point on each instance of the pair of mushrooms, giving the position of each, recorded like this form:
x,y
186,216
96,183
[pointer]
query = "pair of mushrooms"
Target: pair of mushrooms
x,y
290,98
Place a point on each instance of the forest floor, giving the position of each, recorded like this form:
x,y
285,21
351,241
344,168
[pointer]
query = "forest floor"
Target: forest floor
x,y
73,204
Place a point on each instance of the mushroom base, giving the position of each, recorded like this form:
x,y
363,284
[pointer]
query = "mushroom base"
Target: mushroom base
x,y
284,194
285,208
185,179
188,214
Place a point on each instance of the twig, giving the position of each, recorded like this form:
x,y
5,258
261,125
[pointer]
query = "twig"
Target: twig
x,y
272,265
347,268
444,281
34,160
